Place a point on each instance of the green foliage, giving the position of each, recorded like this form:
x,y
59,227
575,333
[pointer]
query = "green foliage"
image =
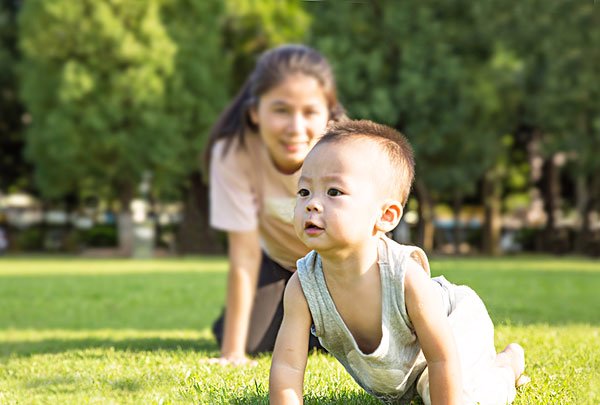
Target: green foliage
x,y
253,26
100,236
138,87
569,103
461,76
29,240
115,331
118,88
557,45
14,171
431,70
94,78
198,89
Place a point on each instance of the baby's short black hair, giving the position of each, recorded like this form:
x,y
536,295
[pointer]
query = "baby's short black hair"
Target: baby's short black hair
x,y
391,141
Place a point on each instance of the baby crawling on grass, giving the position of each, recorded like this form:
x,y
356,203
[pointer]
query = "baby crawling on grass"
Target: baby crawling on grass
x,y
372,302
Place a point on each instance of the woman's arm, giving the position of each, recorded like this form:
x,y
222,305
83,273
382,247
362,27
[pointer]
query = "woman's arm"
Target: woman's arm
x,y
244,264
427,314
291,348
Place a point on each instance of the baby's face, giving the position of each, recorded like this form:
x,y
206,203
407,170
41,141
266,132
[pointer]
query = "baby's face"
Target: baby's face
x,y
340,197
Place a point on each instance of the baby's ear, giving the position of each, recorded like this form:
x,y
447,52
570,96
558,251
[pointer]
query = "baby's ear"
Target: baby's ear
x,y
390,216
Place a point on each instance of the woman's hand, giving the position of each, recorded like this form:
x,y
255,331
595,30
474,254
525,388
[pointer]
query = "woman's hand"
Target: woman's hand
x,y
233,361
244,261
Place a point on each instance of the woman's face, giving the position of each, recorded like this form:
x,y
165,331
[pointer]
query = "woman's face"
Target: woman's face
x,y
291,117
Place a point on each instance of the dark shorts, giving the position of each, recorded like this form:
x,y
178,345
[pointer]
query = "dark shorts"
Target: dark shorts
x,y
267,310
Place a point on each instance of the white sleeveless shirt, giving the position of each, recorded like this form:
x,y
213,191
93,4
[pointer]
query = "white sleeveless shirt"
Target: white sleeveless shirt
x,y
391,371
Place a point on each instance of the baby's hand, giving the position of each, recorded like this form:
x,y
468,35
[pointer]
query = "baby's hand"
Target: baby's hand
x,y
233,361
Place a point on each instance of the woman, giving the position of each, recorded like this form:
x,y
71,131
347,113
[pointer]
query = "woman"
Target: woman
x,y
256,150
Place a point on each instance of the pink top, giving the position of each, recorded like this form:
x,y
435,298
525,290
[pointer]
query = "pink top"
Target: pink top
x,y
247,192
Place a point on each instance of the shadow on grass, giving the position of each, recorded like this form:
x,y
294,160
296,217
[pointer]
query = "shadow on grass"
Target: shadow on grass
x,y
331,399
52,346
55,381
71,384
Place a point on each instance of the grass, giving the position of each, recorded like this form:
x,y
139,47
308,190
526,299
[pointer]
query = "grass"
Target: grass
x,y
76,331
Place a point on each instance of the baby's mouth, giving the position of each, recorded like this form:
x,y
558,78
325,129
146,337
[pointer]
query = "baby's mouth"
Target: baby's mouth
x,y
308,225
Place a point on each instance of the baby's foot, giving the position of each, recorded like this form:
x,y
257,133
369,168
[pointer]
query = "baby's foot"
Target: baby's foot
x,y
513,357
522,380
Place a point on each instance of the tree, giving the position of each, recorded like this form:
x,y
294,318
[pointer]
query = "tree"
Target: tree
x,y
233,34
195,93
555,42
429,80
15,173
135,92
94,79
253,26
568,106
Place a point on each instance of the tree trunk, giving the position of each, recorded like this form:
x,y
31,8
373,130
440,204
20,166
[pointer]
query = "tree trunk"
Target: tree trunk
x,y
69,242
125,228
125,221
588,196
426,228
492,202
550,194
584,207
195,234
457,229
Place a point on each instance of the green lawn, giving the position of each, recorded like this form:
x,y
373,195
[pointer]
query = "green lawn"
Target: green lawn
x,y
76,331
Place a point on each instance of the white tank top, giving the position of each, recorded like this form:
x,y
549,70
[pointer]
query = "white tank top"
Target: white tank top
x,y
390,372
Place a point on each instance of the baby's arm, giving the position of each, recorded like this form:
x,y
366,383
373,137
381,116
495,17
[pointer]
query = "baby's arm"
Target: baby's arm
x,y
427,314
291,348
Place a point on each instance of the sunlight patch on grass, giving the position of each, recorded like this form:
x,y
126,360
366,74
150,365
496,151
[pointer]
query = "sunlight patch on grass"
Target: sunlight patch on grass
x,y
521,263
35,335
33,267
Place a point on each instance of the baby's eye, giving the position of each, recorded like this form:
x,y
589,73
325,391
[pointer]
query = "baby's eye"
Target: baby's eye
x,y
334,192
303,192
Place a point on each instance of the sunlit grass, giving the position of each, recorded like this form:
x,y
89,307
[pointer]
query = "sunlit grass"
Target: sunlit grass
x,y
138,332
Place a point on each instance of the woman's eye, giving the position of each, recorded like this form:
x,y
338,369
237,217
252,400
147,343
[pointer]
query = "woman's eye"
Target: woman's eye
x,y
334,192
303,192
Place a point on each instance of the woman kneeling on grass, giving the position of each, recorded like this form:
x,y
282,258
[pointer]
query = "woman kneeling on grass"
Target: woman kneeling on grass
x,y
370,301
255,153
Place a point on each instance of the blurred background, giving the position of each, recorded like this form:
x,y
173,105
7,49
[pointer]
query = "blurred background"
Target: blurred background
x,y
105,107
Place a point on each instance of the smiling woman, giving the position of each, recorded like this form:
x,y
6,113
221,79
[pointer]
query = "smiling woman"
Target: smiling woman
x,y
255,152
293,115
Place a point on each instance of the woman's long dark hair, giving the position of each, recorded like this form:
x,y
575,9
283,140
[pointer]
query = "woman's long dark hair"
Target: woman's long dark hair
x,y
271,69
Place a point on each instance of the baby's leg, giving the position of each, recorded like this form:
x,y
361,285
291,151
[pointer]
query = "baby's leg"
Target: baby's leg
x,y
485,381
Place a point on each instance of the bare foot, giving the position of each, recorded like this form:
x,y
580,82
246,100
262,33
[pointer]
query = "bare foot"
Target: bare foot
x,y
522,380
513,357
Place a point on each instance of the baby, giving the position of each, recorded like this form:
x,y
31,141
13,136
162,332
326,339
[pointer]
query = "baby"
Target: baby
x,y
370,301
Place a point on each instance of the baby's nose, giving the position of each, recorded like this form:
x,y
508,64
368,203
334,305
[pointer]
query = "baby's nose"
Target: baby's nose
x,y
313,205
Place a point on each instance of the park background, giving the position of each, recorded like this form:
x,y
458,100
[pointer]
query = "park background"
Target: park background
x,y
105,107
